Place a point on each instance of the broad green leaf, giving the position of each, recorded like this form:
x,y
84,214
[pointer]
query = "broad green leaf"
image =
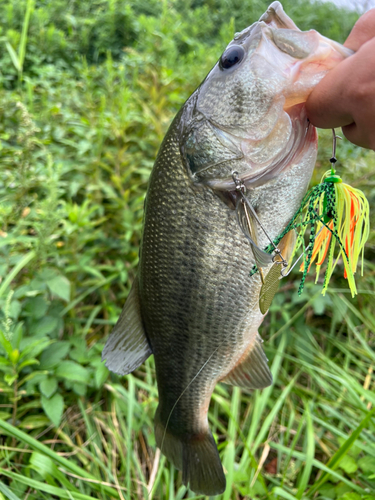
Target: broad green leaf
x,y
328,490
31,375
60,286
44,326
367,464
53,408
351,496
342,488
14,356
319,304
35,307
348,464
47,274
31,348
10,378
80,353
4,362
71,370
53,355
79,388
5,343
15,309
87,292
27,362
34,422
45,466
48,386
101,375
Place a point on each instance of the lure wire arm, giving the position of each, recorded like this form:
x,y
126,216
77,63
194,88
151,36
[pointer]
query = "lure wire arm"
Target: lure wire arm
x,y
241,189
333,159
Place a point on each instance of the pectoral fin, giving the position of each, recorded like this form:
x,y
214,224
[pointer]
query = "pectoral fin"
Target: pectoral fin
x,y
127,346
252,371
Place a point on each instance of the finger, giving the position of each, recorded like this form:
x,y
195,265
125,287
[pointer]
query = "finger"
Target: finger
x,y
346,94
326,106
359,135
362,32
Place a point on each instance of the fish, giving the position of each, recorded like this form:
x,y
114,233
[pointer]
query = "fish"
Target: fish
x,y
242,139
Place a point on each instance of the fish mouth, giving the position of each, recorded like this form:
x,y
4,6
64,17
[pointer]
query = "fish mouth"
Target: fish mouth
x,y
304,134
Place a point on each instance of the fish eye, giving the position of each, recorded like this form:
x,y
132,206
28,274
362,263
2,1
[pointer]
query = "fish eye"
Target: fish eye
x,y
233,55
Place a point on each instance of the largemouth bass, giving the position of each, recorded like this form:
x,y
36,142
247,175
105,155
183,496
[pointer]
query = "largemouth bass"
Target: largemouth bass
x,y
193,304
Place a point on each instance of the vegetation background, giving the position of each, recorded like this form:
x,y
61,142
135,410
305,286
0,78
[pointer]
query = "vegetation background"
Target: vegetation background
x,y
87,91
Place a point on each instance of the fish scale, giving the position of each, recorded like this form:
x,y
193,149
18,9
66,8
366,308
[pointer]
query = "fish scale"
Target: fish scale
x,y
194,305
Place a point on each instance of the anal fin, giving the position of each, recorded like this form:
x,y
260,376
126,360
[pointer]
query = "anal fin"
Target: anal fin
x,y
127,346
252,371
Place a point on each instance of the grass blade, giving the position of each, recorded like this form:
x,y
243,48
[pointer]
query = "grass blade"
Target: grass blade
x,y
310,452
282,493
319,465
67,464
13,55
23,41
271,416
38,485
230,452
334,462
7,492
17,268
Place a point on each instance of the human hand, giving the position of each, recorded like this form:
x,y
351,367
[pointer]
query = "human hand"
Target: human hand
x,y
346,96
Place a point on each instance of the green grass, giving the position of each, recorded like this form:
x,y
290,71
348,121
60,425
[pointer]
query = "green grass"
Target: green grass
x,y
88,90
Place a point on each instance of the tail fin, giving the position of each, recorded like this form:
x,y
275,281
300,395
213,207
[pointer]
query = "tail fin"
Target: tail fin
x,y
201,466
198,458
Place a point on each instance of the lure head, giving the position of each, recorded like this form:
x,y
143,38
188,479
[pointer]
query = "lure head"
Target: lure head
x,y
248,115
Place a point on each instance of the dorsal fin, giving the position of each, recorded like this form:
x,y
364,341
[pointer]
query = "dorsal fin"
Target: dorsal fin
x,y
127,346
252,371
